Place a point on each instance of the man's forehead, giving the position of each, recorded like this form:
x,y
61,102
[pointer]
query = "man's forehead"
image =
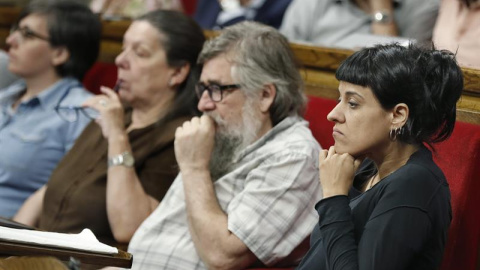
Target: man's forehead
x,y
217,69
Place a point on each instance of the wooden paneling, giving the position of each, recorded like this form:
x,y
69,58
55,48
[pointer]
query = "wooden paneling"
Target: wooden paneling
x,y
472,81
318,64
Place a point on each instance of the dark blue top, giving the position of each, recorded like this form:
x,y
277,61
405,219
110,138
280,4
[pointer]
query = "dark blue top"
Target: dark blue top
x,y
400,223
270,13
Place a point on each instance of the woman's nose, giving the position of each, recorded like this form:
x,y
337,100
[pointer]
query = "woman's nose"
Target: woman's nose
x,y
121,60
12,39
335,115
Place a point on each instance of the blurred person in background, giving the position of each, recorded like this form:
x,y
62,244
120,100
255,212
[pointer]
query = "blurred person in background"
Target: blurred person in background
x,y
118,9
458,30
331,22
217,14
51,48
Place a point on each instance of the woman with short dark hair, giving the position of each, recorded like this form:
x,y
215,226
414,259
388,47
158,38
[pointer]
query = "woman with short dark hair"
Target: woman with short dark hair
x,y
386,204
50,48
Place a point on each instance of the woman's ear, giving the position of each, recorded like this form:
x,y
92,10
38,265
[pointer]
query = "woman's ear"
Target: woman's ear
x,y
60,55
400,115
179,75
267,97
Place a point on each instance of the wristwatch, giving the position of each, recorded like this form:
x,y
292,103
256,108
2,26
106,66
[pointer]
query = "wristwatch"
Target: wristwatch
x,y
382,17
125,159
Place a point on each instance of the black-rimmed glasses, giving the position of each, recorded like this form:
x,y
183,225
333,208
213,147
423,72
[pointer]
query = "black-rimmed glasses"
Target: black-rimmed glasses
x,y
27,33
71,113
215,91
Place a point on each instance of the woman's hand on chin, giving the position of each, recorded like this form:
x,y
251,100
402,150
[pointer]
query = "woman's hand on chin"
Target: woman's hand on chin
x,y
109,106
336,172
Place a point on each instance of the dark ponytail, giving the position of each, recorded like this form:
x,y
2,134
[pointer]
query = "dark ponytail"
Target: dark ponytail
x,y
442,87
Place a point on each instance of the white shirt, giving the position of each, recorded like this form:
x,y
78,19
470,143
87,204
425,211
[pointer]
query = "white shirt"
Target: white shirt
x,y
248,12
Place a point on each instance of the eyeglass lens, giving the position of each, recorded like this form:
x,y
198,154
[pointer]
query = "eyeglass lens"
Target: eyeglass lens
x,y
26,33
214,91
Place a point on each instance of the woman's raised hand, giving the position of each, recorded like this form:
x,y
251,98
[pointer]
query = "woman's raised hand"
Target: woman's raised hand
x,y
336,172
111,119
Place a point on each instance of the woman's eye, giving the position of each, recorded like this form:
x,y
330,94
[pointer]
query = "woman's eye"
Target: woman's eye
x,y
352,104
141,53
138,52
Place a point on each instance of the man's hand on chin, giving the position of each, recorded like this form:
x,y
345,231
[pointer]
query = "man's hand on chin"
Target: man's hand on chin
x,y
194,144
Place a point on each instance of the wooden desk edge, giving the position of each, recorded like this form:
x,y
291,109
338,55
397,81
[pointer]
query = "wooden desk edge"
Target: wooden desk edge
x,y
122,259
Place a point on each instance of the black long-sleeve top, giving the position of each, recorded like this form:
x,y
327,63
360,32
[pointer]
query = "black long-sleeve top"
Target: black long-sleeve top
x,y
400,223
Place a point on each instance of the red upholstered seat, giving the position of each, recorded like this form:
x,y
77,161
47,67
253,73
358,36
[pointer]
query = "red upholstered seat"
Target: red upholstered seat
x,y
316,114
100,74
189,6
459,158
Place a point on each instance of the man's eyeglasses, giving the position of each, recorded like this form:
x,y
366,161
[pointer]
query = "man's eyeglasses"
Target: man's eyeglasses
x,y
71,113
27,33
215,91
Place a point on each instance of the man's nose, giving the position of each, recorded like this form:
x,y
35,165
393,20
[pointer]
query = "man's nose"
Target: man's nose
x,y
205,103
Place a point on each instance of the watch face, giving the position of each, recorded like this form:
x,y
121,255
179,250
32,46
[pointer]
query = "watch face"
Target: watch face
x,y
381,17
128,159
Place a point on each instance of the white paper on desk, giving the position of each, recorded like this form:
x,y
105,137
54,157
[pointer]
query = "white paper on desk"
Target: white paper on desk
x,y
85,241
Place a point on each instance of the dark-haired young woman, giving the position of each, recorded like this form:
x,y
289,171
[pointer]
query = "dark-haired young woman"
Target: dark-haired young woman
x,y
386,203
51,48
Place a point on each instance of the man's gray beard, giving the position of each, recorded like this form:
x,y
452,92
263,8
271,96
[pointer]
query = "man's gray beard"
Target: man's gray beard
x,y
230,140
224,151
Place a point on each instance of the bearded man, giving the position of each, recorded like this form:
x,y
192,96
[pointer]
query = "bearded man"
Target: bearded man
x,y
248,177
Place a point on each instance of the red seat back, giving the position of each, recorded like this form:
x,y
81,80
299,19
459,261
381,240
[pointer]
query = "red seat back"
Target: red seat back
x,y
316,114
100,74
459,159
189,6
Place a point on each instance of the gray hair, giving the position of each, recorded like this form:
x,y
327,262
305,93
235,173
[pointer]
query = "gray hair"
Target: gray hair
x,y
260,56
